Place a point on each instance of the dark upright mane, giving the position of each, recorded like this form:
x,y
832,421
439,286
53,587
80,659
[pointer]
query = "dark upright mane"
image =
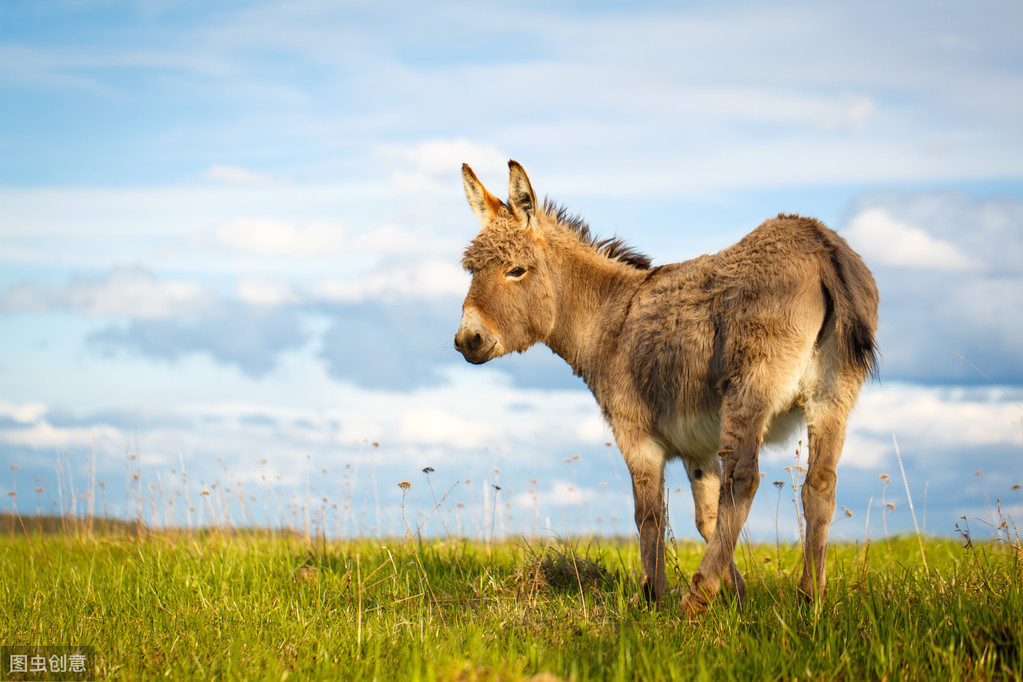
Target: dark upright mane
x,y
613,248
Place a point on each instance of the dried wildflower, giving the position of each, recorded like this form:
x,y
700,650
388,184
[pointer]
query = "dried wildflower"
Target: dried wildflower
x,y
428,470
404,485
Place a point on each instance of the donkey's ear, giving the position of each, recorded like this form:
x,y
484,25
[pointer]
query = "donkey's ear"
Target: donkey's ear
x,y
484,204
520,194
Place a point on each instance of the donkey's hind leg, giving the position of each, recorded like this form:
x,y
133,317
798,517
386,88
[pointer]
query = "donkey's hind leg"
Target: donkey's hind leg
x,y
826,433
742,427
705,482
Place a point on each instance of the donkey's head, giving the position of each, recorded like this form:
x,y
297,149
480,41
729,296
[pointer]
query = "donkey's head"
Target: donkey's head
x,y
510,304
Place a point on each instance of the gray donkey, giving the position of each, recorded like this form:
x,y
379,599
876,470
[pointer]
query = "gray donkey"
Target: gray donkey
x,y
702,360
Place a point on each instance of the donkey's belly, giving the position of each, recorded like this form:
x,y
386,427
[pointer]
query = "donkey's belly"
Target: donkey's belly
x,y
696,437
692,436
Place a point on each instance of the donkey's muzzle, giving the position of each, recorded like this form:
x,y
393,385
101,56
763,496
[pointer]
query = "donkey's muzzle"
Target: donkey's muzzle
x,y
470,344
473,340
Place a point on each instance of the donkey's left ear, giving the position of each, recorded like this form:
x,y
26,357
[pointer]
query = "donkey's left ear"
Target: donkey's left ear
x,y
521,198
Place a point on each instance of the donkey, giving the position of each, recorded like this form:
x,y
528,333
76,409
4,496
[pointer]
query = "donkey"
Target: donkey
x,y
702,360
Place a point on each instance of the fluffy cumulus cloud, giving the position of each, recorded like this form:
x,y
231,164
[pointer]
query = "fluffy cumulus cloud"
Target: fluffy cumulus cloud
x,y
120,292
428,167
949,271
398,280
278,238
886,241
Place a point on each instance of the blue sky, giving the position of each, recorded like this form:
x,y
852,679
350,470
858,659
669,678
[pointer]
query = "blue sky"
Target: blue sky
x,y
230,234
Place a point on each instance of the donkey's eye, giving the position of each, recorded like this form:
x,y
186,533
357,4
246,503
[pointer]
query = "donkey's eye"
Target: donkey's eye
x,y
515,273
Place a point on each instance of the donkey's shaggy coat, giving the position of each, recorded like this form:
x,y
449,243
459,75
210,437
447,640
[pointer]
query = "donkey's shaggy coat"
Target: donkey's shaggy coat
x,y
701,360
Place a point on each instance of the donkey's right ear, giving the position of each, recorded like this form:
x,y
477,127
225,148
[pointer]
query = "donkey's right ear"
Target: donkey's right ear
x,y
521,197
484,204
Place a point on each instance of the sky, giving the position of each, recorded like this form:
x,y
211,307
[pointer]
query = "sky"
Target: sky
x,y
230,237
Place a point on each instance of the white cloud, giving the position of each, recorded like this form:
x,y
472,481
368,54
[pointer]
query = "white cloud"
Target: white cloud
x,y
123,291
948,271
392,240
23,413
883,239
939,417
434,166
279,238
235,176
265,292
556,495
398,280
434,426
46,437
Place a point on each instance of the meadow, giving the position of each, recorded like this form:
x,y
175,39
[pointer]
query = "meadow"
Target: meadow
x,y
251,605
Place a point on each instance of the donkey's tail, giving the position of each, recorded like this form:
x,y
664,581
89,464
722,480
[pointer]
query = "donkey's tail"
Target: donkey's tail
x,y
853,296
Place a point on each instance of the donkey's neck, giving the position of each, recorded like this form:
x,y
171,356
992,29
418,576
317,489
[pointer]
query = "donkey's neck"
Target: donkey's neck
x,y
593,295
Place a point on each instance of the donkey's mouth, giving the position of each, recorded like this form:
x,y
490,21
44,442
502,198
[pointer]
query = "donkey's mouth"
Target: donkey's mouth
x,y
478,356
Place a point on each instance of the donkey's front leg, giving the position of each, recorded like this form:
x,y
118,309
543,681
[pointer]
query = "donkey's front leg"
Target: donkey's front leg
x,y
646,466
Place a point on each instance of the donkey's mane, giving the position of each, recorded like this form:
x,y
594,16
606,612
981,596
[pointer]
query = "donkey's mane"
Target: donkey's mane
x,y
613,248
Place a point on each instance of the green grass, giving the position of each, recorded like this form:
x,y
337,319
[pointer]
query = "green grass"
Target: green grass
x,y
254,606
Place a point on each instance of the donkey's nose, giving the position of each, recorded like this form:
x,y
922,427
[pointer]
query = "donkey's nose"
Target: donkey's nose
x,y
468,342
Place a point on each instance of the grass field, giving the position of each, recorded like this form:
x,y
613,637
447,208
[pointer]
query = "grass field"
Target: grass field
x,y
218,605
